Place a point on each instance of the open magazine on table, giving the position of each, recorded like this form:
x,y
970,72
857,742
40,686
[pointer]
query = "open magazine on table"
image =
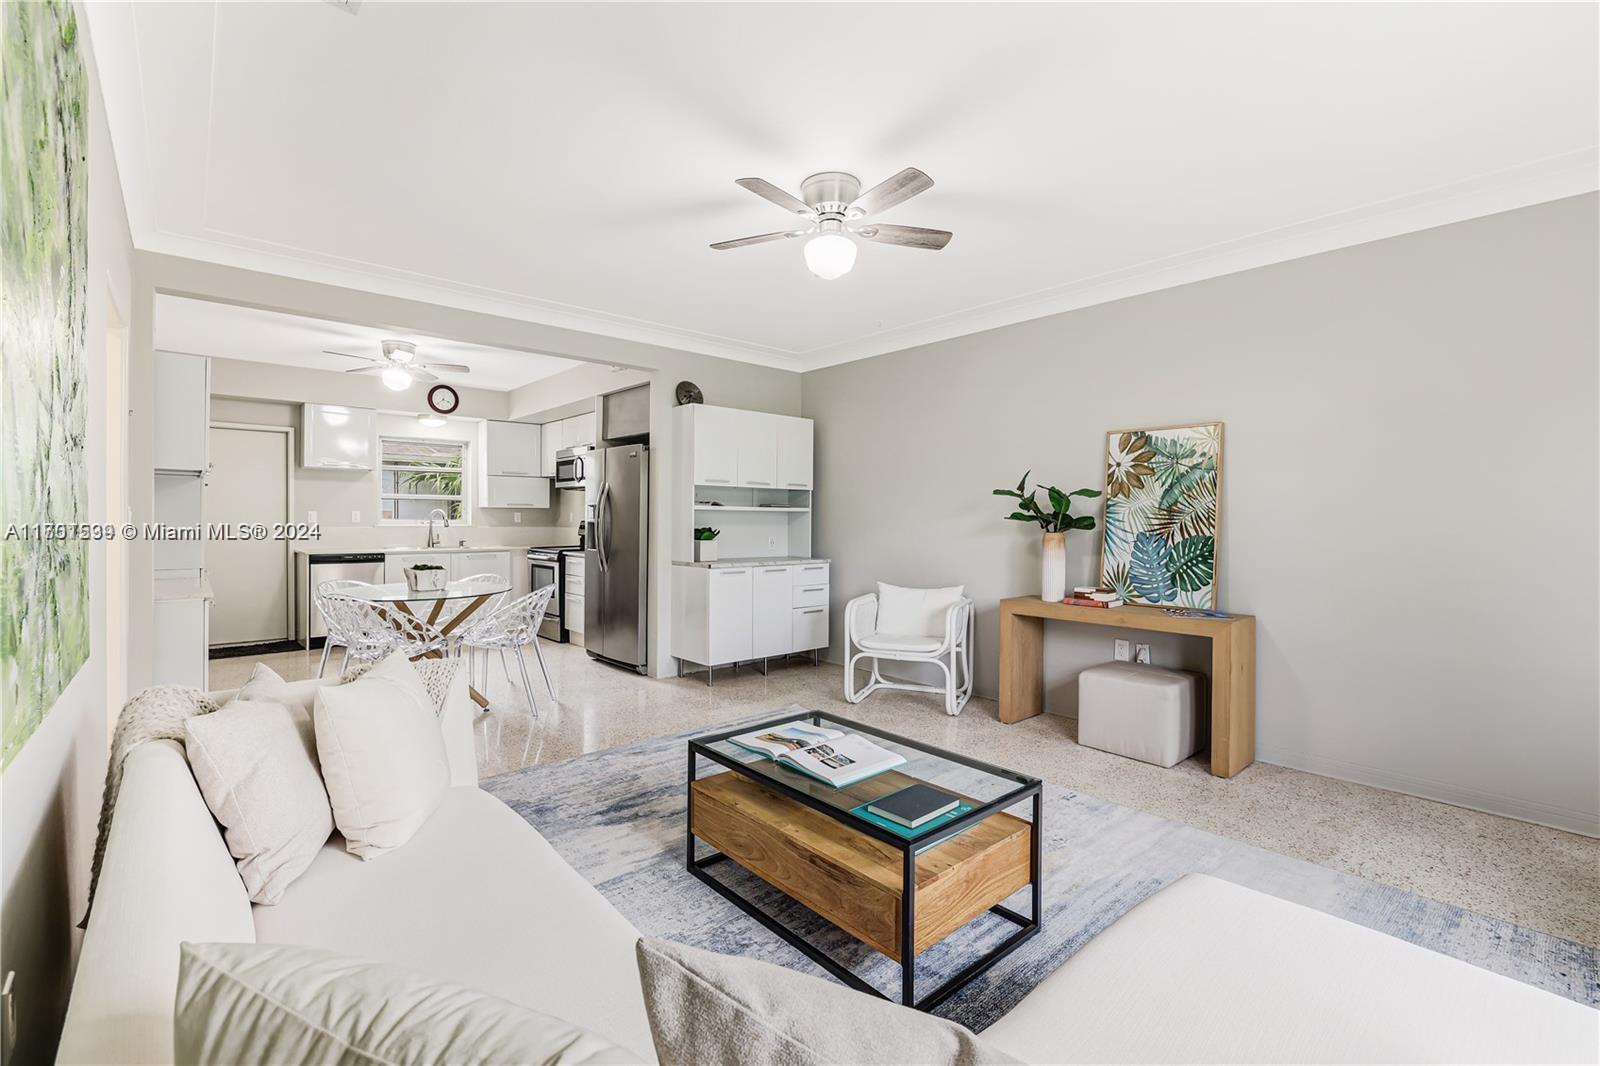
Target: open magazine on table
x,y
839,759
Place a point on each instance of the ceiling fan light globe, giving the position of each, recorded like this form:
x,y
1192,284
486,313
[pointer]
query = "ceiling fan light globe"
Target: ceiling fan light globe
x,y
396,378
830,255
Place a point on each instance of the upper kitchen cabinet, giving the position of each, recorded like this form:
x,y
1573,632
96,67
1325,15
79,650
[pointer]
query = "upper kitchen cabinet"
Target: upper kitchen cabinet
x,y
758,449
183,399
794,453
716,444
549,444
336,437
509,449
580,430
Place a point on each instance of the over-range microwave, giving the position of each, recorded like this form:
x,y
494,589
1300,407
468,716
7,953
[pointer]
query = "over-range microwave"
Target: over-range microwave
x,y
570,463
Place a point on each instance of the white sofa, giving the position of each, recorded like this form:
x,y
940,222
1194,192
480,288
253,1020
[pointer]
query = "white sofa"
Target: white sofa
x,y
1203,971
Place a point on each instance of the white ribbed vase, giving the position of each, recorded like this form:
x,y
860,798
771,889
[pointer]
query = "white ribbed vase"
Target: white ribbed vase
x,y
1053,571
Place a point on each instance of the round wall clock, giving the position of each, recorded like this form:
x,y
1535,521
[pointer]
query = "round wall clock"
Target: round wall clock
x,y
688,392
443,399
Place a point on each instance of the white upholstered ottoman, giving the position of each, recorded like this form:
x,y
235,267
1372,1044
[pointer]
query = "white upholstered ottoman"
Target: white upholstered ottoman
x,y
1143,712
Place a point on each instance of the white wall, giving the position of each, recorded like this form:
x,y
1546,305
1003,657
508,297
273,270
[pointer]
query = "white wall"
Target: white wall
x,y
52,788
571,391
1409,492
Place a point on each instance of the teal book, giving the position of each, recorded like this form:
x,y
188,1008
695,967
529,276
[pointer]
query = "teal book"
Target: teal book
x,y
910,834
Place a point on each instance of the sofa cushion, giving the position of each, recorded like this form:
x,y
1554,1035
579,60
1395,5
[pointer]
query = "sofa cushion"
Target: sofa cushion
x,y
240,1003
480,898
256,764
706,1007
915,612
1209,971
383,758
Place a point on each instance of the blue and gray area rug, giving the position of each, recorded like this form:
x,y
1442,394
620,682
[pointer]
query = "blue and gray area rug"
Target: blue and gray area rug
x,y
618,818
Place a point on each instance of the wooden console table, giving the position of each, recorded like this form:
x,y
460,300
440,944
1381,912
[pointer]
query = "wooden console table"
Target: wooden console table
x,y
1233,665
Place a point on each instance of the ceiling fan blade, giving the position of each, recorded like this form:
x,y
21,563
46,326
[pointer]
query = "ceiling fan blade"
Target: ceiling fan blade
x,y
366,369
906,236
347,355
760,239
418,374
898,189
453,368
768,191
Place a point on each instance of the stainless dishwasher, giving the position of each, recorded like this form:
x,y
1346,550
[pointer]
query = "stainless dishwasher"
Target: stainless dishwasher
x,y
328,566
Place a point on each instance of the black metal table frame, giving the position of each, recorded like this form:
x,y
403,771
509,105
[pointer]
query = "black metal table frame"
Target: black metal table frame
x,y
909,849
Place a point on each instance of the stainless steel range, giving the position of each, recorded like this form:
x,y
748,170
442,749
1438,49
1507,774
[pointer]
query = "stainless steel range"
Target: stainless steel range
x,y
546,568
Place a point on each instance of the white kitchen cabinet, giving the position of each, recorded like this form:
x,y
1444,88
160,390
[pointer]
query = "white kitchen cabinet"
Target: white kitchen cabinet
x,y
183,408
507,491
810,628
394,564
549,444
716,445
794,452
729,614
180,652
772,609
582,432
471,564
336,437
757,436
509,448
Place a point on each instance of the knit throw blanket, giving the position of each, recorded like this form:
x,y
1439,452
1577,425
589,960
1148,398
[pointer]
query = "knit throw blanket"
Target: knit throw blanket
x,y
156,713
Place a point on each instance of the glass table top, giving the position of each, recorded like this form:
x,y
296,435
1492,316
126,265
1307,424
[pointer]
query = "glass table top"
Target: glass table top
x,y
397,591
976,783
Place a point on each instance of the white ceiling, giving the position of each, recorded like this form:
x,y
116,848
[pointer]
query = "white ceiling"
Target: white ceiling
x,y
569,164
231,332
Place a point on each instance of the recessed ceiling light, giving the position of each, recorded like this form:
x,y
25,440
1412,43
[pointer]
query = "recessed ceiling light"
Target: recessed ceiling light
x,y
431,421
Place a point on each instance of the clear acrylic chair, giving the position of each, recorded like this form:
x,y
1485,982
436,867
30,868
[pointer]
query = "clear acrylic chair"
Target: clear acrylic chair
x,y
338,618
455,607
386,629
512,625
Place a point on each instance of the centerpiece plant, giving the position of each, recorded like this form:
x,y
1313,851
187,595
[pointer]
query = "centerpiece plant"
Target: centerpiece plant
x,y
705,543
1055,520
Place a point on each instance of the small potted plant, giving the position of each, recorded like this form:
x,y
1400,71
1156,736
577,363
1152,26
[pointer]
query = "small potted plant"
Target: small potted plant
x,y
1055,520
425,577
705,544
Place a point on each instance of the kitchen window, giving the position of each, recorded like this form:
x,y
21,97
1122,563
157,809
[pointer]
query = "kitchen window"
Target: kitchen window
x,y
419,476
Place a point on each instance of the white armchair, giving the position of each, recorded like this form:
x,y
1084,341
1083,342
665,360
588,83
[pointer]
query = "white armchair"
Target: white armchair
x,y
932,626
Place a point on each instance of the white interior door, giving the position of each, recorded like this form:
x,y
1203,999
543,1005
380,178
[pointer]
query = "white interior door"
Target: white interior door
x,y
249,484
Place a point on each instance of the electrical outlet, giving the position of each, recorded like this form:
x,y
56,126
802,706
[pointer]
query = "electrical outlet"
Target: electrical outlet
x,y
311,518
1123,651
516,516
355,518
772,542
1141,653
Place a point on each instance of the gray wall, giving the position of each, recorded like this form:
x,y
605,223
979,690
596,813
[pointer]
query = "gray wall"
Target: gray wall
x,y
52,787
1409,492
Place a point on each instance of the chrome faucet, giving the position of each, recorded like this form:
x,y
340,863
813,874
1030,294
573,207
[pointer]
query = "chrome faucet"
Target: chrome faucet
x,y
434,536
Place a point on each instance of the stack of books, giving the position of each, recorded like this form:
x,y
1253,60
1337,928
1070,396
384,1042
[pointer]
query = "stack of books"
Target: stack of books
x,y
1094,596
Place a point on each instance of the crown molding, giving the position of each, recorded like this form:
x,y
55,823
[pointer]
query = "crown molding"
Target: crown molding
x,y
242,253
1541,181
1554,178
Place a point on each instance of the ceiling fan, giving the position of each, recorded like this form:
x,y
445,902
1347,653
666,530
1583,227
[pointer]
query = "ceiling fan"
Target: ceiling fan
x,y
399,367
832,204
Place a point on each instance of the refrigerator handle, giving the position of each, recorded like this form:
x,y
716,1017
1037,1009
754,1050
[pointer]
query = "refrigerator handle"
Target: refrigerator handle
x,y
600,532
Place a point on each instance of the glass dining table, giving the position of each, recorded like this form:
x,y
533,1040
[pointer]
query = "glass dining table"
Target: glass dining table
x,y
474,593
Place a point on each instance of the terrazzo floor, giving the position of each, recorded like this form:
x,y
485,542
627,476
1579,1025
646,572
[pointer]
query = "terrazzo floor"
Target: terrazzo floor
x,y
1527,874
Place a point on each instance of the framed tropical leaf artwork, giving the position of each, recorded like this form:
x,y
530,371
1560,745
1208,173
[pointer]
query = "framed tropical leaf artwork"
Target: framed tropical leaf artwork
x,y
1163,493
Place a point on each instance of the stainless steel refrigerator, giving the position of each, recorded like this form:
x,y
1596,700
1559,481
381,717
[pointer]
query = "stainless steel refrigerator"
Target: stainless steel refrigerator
x,y
616,553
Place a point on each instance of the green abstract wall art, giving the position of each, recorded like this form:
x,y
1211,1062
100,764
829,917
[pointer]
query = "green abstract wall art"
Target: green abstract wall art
x,y
44,583
1163,496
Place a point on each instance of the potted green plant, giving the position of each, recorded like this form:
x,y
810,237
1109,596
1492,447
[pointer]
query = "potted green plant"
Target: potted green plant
x,y
1055,521
425,577
705,544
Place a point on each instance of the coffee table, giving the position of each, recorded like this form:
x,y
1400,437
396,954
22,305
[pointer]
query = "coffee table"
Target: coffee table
x,y
899,894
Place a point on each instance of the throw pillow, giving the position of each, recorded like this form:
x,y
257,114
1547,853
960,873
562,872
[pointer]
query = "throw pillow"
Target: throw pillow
x,y
905,612
275,1003
382,754
715,1008
256,765
266,684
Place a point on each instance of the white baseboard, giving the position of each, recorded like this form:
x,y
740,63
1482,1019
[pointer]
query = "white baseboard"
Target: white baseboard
x,y
1585,823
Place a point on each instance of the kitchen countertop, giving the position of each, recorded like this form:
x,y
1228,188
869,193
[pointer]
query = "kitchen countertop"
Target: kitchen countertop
x,y
183,588
450,550
783,560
